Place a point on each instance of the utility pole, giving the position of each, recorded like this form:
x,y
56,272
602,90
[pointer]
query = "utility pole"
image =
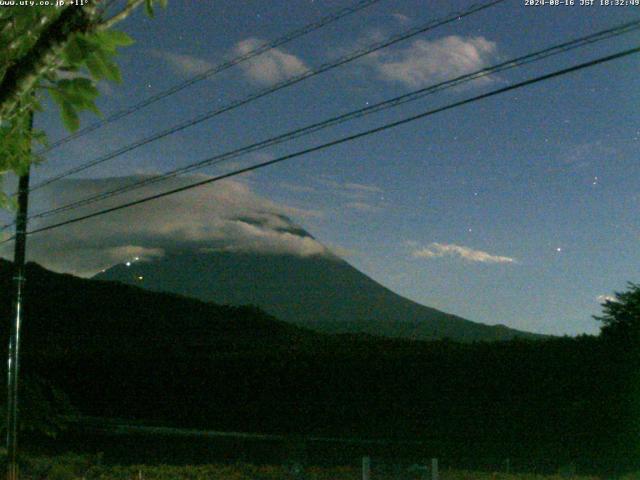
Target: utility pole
x,y
14,335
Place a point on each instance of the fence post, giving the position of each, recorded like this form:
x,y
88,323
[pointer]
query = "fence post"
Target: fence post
x,y
434,469
366,468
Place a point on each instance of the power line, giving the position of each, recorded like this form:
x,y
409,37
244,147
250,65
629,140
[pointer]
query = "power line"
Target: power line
x,y
265,47
412,96
278,86
339,141
104,425
396,101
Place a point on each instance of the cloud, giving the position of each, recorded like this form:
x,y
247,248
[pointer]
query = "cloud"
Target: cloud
x,y
606,298
350,189
226,215
436,250
138,253
362,207
362,187
255,238
401,18
357,196
297,188
271,66
343,252
425,62
183,64
584,155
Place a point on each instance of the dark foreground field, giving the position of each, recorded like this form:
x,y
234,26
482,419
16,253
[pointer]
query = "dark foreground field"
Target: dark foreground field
x,y
72,467
94,349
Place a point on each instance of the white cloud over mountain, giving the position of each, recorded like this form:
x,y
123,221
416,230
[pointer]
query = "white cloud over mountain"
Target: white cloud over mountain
x,y
225,215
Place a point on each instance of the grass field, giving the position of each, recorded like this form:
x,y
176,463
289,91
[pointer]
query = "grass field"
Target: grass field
x,y
82,467
249,472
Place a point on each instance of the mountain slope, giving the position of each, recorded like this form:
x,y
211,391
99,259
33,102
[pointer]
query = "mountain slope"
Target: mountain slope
x,y
67,315
320,292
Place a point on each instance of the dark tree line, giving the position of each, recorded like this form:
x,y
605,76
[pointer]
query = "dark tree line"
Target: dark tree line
x,y
118,351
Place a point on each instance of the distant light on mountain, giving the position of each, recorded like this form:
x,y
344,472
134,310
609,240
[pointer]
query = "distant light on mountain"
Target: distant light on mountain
x,y
318,291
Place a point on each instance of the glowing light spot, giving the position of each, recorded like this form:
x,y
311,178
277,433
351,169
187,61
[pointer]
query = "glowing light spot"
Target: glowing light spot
x,y
128,264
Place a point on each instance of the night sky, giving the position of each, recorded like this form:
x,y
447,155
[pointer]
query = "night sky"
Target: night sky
x,y
521,209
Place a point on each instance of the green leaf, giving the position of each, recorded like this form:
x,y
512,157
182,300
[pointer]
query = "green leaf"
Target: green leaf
x,y
39,136
80,93
110,68
114,38
36,106
148,7
7,202
89,42
80,87
96,67
73,54
57,96
87,45
69,116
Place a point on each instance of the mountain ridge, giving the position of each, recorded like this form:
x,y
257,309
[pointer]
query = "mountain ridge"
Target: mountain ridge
x,y
321,292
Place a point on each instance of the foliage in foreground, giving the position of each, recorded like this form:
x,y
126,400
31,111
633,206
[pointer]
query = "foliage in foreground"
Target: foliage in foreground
x,y
63,50
43,409
89,467
621,315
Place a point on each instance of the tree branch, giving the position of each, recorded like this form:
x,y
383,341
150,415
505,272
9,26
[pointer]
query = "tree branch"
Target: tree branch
x,y
121,15
23,75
